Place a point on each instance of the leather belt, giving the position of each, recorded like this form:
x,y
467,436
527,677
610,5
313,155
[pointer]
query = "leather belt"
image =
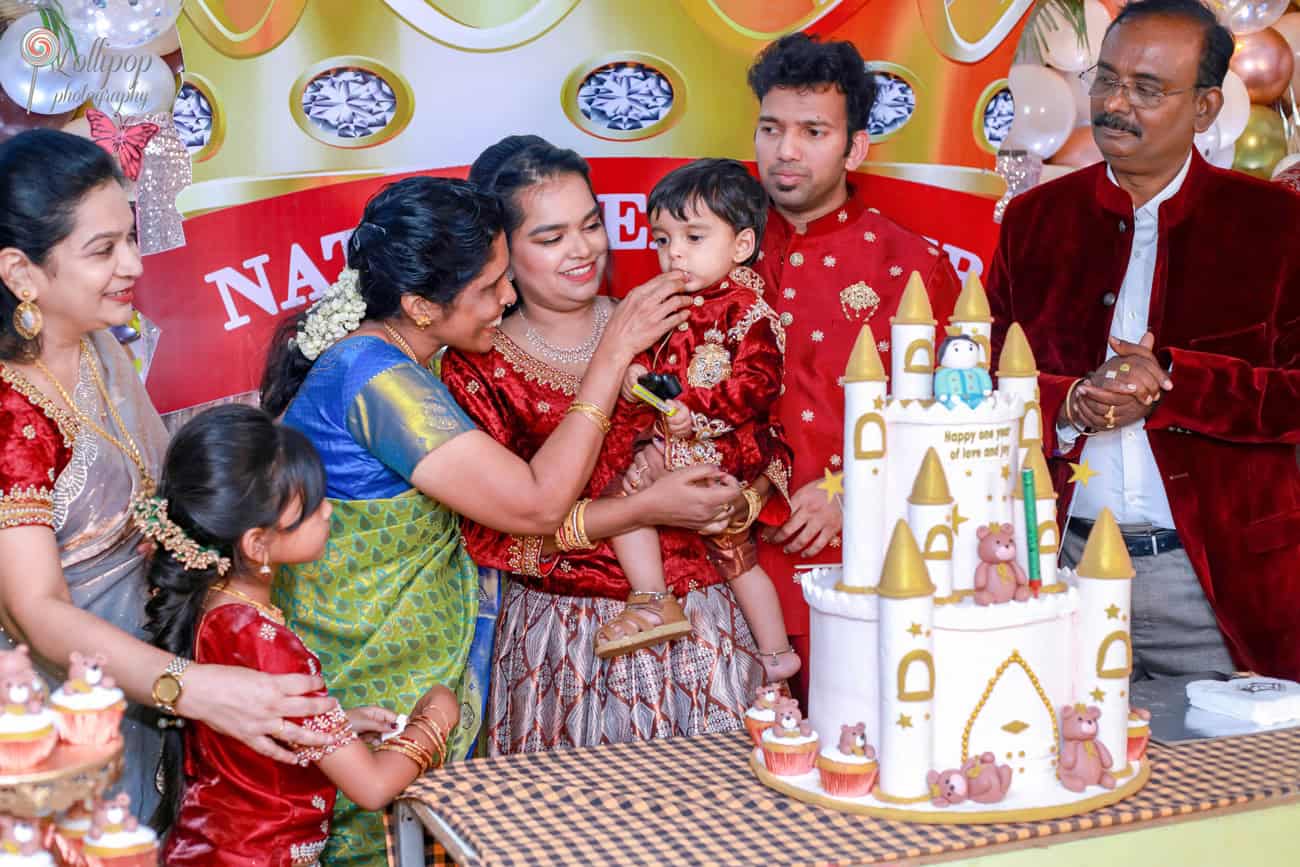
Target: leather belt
x,y
1140,542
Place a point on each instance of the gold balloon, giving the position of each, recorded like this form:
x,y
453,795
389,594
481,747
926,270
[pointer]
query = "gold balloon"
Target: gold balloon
x,y
1080,149
1265,62
1263,144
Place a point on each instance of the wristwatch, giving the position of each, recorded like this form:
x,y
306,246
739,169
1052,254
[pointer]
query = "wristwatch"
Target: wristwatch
x,y
168,687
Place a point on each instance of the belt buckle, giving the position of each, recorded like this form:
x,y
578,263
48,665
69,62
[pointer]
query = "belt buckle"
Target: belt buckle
x,y
1155,544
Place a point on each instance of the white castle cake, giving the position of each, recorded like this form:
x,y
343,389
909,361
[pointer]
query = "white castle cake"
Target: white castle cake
x,y
903,641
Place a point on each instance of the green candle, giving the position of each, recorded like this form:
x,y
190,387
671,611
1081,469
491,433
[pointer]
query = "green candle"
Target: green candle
x,y
1031,530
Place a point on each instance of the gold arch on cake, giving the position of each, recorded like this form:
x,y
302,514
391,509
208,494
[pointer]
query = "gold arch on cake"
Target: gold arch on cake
x,y
1103,651
904,666
939,533
983,343
859,451
1014,659
913,349
1049,530
1031,407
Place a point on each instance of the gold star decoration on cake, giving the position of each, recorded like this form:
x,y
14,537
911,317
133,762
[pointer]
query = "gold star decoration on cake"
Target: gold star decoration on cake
x,y
1006,471
879,403
1081,473
1097,694
957,519
1112,613
832,484
914,630
904,721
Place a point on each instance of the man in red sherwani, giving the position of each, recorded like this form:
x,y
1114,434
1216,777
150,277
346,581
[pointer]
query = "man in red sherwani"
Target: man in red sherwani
x,y
1161,297
832,264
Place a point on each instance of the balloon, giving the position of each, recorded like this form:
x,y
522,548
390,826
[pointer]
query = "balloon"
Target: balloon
x,y
1082,101
26,47
15,119
165,44
134,84
1044,109
1062,47
1223,157
1248,16
1265,62
1236,108
1263,144
1289,26
1208,142
1080,149
121,23
1097,18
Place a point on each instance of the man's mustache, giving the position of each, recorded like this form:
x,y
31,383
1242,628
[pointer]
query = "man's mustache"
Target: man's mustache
x,y
1114,121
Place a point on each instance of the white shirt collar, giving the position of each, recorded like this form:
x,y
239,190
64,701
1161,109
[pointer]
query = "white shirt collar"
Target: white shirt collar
x,y
1152,208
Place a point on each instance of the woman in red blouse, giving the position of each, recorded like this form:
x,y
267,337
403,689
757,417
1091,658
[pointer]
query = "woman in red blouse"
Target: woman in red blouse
x,y
548,688
79,437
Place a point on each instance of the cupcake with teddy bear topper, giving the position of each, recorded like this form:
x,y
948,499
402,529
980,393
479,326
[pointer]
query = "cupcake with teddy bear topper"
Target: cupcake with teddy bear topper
x,y
849,769
762,715
790,745
28,731
89,704
20,844
117,839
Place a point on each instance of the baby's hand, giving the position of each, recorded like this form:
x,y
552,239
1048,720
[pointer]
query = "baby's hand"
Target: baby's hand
x,y
634,372
679,423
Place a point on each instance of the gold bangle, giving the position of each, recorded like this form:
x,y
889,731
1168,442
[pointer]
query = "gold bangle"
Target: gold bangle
x,y
571,535
591,411
422,758
755,502
580,524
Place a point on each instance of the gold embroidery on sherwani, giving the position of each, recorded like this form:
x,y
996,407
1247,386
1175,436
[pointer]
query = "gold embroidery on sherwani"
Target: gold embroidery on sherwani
x,y
855,299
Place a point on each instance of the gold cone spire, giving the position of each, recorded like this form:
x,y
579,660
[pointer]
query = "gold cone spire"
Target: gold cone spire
x,y
931,486
1105,555
904,575
1017,358
864,361
972,303
914,308
1042,478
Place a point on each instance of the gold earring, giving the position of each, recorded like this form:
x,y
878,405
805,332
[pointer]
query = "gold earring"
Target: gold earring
x,y
423,322
28,320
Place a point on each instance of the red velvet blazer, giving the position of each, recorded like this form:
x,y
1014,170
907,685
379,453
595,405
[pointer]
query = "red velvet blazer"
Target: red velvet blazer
x,y
1225,312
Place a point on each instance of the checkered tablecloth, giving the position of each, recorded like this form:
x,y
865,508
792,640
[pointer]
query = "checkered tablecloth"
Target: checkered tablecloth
x,y
694,801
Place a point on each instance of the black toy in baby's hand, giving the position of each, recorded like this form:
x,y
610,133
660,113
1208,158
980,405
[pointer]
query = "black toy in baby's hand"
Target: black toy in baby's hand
x,y
657,389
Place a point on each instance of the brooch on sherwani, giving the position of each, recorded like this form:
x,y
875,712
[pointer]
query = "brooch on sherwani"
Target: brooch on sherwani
x,y
711,363
856,299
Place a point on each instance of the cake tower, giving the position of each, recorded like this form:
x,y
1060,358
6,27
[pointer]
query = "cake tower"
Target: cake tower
x,y
944,685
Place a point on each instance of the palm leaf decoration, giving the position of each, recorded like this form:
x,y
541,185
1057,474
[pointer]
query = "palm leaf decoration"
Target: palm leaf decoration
x,y
1049,16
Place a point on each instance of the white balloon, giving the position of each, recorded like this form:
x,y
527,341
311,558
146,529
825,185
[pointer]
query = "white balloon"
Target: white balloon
x,y
1082,101
1044,109
1222,158
1235,113
134,84
121,23
1097,17
55,88
1208,142
1062,46
1247,16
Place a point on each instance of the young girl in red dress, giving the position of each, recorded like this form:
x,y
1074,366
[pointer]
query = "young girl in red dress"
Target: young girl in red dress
x,y
239,496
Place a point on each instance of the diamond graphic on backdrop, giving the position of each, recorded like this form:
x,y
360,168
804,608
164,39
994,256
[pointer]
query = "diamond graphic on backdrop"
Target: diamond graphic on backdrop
x,y
625,96
895,102
192,117
349,102
998,115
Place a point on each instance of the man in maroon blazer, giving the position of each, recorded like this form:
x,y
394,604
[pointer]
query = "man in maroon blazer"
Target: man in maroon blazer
x,y
1161,297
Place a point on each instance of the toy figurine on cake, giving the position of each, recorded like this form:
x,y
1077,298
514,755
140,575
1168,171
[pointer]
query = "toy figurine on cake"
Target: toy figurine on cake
x,y
27,729
790,746
117,839
90,707
762,715
849,769
20,844
949,632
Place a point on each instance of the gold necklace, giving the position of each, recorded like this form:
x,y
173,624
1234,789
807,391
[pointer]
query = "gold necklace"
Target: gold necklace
x,y
129,448
401,342
269,610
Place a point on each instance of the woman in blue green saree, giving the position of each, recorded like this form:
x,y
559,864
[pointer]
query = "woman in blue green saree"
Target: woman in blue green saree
x,y
391,608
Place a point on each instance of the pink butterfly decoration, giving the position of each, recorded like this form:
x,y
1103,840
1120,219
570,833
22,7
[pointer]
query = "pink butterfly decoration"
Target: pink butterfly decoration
x,y
127,144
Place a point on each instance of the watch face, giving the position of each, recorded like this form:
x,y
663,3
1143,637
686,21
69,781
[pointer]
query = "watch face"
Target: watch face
x,y
167,689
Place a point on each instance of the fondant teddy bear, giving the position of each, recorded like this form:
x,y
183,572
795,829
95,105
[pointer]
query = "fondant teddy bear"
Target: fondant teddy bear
x,y
998,577
112,816
980,779
853,741
18,837
767,696
789,721
18,681
1085,761
87,672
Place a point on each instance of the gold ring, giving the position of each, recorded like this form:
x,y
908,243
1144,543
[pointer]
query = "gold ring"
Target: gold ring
x,y
1110,418
280,734
1125,367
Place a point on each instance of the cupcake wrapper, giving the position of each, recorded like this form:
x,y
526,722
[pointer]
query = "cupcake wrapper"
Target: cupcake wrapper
x,y
756,728
790,764
1137,747
848,785
91,729
21,755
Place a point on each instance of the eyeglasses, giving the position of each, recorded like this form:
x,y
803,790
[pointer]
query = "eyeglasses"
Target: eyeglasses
x,y
1140,94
